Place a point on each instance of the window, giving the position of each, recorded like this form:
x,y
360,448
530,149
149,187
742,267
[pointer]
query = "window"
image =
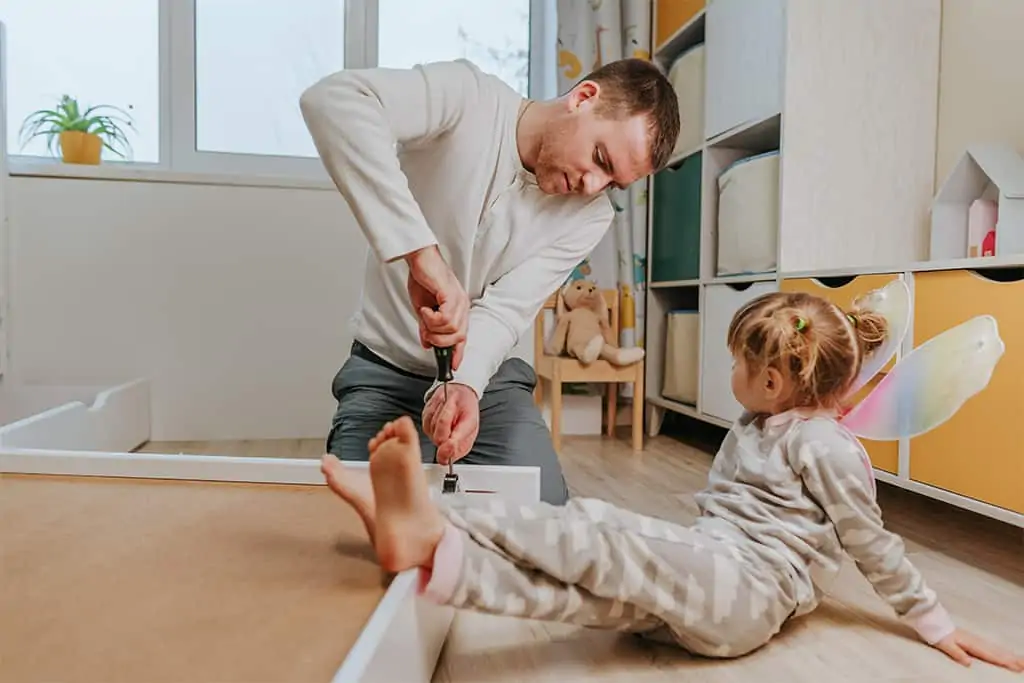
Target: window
x,y
100,53
213,86
493,35
252,61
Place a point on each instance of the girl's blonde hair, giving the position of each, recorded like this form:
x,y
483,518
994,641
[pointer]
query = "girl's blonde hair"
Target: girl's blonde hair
x,y
816,344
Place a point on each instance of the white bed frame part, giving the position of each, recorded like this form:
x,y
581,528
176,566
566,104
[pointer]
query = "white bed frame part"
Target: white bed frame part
x,y
403,638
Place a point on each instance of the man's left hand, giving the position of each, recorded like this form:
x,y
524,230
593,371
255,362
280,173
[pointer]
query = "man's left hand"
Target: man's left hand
x,y
452,425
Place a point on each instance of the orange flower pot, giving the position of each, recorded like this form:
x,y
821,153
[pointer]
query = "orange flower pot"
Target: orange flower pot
x,y
80,148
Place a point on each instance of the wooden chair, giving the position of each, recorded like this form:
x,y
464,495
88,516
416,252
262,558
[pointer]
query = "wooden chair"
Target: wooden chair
x,y
557,370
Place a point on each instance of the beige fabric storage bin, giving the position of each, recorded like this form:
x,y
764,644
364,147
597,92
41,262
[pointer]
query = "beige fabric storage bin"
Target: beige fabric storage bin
x,y
682,357
748,215
687,77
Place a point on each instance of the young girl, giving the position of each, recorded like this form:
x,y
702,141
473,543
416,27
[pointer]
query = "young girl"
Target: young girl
x,y
789,492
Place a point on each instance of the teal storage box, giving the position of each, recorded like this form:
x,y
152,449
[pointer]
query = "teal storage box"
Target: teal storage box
x,y
675,225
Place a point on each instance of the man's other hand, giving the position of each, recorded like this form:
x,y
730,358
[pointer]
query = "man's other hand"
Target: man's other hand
x,y
453,424
433,284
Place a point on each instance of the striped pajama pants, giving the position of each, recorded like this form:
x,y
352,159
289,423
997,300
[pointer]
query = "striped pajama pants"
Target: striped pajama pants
x,y
592,564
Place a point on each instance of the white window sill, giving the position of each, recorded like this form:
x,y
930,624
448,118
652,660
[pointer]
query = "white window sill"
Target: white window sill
x,y
149,173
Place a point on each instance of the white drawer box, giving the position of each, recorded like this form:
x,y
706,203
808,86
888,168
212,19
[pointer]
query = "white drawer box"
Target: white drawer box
x,y
721,302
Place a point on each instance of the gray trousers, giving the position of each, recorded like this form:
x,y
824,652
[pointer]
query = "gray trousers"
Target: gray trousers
x,y
512,430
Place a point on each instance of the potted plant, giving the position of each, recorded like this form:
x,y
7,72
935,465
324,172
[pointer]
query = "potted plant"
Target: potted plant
x,y
82,135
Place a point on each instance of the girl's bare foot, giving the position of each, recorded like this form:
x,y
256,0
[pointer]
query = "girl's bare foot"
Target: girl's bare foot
x,y
408,526
353,486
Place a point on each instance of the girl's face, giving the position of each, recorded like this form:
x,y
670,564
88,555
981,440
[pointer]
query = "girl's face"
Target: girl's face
x,y
764,392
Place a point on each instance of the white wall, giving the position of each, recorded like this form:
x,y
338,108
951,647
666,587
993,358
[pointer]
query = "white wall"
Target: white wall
x,y
235,301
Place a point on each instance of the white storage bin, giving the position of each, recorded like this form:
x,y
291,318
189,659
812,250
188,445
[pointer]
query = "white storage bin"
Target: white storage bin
x,y
748,215
687,77
720,304
746,53
682,356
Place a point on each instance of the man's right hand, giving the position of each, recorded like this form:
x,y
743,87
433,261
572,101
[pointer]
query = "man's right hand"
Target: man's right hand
x,y
432,283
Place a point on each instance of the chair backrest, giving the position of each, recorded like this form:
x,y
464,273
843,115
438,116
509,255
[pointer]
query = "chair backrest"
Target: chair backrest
x,y
611,299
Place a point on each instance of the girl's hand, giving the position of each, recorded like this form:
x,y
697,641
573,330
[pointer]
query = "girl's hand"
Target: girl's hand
x,y
961,646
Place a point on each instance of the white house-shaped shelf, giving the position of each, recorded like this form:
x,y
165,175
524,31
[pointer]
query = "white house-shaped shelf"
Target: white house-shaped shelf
x,y
993,172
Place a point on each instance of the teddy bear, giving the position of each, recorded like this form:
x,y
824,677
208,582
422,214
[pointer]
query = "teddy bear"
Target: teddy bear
x,y
582,329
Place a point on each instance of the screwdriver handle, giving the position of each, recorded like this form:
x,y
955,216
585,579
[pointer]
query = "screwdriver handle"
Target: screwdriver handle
x,y
443,356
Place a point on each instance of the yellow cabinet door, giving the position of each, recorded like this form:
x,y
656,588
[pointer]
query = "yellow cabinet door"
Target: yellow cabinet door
x,y
672,15
977,453
885,455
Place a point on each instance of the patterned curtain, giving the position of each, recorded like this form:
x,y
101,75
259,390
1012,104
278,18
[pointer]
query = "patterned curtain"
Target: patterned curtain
x,y
592,33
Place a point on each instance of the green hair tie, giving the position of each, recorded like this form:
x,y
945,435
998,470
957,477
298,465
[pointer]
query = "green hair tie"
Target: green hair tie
x,y
800,324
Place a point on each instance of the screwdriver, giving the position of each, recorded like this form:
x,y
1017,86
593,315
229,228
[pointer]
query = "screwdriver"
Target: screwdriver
x,y
443,356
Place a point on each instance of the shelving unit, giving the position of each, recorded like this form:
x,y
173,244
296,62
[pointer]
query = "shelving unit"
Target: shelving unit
x,y
845,95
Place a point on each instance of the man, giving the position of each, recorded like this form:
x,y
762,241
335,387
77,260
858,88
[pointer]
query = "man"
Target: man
x,y
477,204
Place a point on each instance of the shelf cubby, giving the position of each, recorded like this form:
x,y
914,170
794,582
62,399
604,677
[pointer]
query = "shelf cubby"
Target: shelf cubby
x,y
663,303
675,252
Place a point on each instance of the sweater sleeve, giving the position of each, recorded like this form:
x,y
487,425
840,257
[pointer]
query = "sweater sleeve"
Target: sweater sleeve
x,y
837,472
510,304
357,119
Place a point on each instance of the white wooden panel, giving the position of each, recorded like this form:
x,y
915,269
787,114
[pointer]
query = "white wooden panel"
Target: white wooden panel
x,y
858,132
745,45
118,420
517,484
721,301
403,639
981,93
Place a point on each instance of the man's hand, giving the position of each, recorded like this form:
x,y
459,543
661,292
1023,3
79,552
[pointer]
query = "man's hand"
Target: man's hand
x,y
452,425
433,284
962,646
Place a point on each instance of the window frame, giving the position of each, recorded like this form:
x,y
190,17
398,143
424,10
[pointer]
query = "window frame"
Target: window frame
x,y
180,161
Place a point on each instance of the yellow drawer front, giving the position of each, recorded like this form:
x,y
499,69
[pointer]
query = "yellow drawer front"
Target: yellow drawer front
x,y
672,15
977,453
885,455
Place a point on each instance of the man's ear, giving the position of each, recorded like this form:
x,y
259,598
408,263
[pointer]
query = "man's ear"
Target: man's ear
x,y
584,95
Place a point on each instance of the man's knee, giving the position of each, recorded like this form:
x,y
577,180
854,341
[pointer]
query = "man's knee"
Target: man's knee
x,y
369,395
360,414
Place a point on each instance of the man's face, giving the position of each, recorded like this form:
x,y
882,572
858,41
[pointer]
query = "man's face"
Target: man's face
x,y
583,152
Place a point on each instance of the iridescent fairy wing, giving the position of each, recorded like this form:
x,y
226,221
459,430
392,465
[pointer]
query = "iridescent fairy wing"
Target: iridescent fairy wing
x,y
893,303
931,383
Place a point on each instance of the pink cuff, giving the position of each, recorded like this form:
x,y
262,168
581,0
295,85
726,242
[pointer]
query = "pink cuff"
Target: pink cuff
x,y
934,625
438,584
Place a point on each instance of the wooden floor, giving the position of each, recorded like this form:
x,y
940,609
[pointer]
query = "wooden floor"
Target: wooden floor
x,y
975,564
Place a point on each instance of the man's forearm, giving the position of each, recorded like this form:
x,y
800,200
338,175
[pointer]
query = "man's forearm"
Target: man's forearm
x,y
488,343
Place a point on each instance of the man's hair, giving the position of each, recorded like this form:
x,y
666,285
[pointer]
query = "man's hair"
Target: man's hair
x,y
631,87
